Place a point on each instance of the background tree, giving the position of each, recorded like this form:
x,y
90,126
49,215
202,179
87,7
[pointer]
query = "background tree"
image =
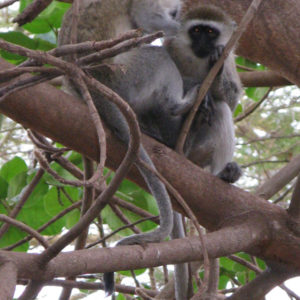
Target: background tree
x,y
42,207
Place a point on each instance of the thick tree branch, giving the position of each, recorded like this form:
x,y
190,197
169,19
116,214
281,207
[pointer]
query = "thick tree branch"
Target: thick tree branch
x,y
263,79
8,278
220,243
202,191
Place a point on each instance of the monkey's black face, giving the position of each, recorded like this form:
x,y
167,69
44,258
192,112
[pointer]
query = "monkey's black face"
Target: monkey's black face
x,y
203,39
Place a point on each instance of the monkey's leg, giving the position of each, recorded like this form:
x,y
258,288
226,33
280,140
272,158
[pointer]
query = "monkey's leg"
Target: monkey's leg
x,y
183,106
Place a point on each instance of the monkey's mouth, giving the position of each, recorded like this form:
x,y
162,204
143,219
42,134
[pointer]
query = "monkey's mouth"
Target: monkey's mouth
x,y
200,50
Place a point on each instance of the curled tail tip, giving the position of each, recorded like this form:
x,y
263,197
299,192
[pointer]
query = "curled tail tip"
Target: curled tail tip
x,y
109,284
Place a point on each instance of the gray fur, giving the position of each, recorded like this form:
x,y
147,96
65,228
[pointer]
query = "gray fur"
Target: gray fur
x,y
209,144
181,271
105,19
147,79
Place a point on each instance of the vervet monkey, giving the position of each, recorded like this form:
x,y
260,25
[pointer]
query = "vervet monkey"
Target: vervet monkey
x,y
106,19
203,34
151,84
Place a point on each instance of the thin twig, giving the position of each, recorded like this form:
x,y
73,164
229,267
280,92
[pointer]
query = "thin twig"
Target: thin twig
x,y
123,218
24,197
253,107
120,48
43,227
92,286
7,3
92,45
25,228
153,219
31,11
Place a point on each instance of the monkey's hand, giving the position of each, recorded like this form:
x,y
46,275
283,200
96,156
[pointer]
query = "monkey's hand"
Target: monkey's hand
x,y
214,57
206,109
231,173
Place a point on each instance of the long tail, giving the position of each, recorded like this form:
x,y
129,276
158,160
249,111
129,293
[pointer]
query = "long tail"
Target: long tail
x,y
159,192
181,272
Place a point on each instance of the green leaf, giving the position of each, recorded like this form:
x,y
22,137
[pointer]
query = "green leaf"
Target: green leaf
x,y
261,264
62,172
3,188
16,186
55,201
136,272
18,38
120,297
249,64
21,39
12,168
256,93
223,280
226,263
238,110
12,236
48,19
72,218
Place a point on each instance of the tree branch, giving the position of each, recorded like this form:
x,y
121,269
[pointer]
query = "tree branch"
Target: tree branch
x,y
260,285
280,179
32,11
294,208
8,278
202,191
263,79
220,243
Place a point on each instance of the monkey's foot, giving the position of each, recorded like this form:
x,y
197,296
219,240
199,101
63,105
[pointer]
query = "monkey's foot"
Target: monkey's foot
x,y
231,173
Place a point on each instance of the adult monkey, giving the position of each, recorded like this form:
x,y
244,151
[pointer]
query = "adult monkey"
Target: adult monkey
x,y
199,43
154,93
158,98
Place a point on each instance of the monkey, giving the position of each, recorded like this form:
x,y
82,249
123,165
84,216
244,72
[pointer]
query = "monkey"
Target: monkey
x,y
151,84
155,104
199,43
106,19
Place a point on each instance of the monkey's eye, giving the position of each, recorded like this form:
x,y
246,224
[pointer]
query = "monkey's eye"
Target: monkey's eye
x,y
196,29
213,33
